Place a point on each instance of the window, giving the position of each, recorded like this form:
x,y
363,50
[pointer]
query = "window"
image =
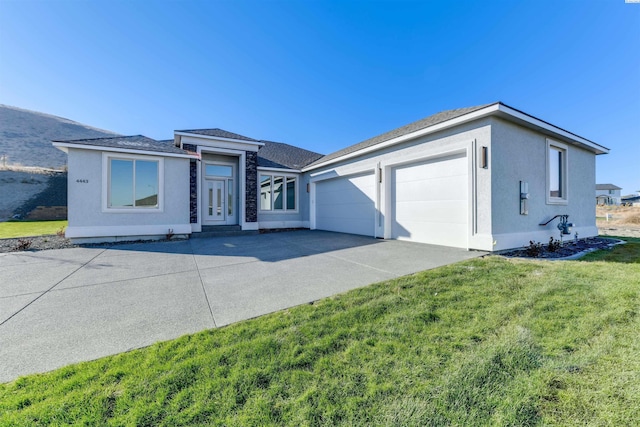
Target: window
x,y
556,173
218,170
277,193
133,183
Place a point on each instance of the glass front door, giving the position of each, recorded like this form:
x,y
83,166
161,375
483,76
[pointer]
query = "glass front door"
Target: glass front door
x,y
219,197
215,209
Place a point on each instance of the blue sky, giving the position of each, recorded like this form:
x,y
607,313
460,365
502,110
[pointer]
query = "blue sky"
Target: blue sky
x,y
324,75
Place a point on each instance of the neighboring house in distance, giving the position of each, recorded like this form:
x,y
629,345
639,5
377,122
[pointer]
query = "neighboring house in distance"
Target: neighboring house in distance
x,y
483,177
631,199
608,194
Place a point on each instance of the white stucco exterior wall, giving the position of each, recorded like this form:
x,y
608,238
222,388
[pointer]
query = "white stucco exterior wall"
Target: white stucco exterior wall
x,y
519,154
469,138
89,221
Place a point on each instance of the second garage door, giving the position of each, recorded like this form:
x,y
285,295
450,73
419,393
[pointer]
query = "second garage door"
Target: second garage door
x,y
430,202
346,204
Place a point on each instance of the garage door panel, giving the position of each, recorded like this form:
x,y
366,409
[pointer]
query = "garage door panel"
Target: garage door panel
x,y
432,189
344,211
444,167
432,211
430,202
438,234
346,204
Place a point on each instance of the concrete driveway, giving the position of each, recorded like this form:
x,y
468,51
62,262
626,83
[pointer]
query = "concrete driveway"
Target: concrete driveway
x,y
63,306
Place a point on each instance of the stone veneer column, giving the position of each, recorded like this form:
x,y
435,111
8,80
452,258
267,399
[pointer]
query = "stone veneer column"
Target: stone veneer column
x,y
193,184
251,187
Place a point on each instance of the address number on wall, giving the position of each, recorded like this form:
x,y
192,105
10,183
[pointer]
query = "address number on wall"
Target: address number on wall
x,y
82,181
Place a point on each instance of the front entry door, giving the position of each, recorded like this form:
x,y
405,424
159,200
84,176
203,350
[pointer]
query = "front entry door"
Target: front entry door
x,y
219,197
215,197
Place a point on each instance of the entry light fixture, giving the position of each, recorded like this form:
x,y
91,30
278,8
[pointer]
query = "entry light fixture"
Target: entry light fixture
x,y
484,158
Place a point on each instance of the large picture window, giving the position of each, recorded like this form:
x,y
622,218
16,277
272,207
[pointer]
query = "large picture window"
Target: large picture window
x,y
556,172
277,192
133,183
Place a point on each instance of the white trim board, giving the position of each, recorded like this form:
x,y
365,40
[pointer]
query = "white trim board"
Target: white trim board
x,y
283,170
283,224
60,146
126,230
215,143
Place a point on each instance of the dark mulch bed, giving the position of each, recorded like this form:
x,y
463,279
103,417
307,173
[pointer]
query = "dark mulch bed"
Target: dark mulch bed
x,y
567,249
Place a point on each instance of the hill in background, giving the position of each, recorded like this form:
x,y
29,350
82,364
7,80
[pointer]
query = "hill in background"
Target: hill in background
x,y
25,137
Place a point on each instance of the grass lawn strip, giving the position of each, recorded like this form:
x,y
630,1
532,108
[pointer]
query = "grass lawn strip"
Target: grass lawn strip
x,y
484,342
12,229
628,253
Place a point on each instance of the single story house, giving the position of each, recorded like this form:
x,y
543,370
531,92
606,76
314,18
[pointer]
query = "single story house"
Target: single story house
x,y
488,177
608,194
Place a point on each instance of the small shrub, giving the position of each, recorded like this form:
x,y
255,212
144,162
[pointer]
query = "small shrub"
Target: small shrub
x,y
60,232
554,245
534,249
22,245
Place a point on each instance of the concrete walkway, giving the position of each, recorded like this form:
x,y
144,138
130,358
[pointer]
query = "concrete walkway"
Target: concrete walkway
x,y
63,306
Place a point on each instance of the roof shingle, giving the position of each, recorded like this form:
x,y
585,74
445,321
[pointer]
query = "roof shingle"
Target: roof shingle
x,y
133,142
607,187
440,117
279,155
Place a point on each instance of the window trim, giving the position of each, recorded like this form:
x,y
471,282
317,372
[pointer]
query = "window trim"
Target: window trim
x,y
106,181
564,175
285,176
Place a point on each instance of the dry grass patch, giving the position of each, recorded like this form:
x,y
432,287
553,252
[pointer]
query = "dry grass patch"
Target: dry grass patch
x,y
618,215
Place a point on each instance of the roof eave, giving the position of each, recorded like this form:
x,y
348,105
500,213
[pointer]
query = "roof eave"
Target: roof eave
x,y
178,134
272,169
64,146
497,109
527,120
474,115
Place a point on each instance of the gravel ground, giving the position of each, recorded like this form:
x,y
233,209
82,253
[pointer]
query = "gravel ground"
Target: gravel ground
x,y
622,231
41,243
37,243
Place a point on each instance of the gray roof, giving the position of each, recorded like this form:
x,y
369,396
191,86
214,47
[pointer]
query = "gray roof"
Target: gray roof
x,y
134,142
219,133
607,187
440,117
280,155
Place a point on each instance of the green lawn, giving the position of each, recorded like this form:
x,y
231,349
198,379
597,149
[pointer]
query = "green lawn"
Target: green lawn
x,y
629,253
11,229
485,342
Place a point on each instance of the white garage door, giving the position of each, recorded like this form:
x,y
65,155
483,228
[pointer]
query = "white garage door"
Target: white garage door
x,y
430,202
346,204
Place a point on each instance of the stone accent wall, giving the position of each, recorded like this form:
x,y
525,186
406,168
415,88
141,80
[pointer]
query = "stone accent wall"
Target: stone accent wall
x,y
193,184
193,190
251,186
